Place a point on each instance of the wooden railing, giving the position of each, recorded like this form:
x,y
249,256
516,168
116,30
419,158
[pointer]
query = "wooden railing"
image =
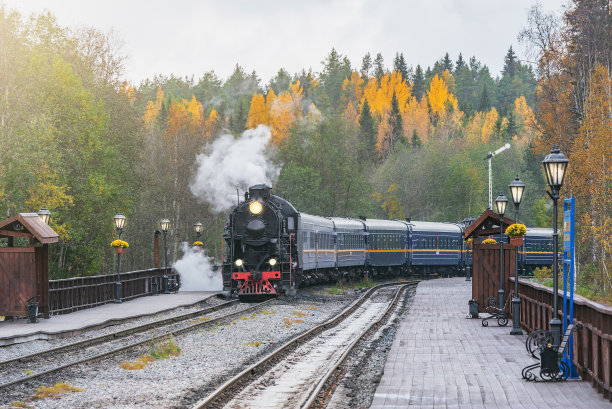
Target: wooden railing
x,y
78,293
592,344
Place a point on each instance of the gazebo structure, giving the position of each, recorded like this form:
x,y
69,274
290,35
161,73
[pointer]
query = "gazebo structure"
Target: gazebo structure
x,y
24,270
485,257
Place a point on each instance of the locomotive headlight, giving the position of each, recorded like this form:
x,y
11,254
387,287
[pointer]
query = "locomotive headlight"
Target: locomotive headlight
x,y
238,262
255,207
272,261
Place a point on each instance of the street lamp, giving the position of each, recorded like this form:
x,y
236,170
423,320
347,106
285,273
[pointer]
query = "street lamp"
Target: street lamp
x,y
501,202
119,224
165,226
198,227
555,165
516,189
44,215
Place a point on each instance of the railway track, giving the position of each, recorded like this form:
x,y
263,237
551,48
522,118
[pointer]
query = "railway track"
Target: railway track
x,y
45,363
296,373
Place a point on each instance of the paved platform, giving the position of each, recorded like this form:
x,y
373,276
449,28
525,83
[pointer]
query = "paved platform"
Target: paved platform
x,y
59,326
440,359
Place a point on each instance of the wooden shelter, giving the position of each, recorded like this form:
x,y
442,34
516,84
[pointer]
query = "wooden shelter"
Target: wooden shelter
x,y
24,271
485,258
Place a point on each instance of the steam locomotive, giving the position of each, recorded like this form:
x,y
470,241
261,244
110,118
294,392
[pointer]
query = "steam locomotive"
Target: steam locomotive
x,y
272,248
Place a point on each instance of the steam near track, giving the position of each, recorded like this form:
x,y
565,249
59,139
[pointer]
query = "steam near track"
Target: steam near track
x,y
195,269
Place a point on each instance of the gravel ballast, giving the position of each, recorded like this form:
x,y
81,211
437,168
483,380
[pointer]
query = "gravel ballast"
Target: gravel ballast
x,y
208,357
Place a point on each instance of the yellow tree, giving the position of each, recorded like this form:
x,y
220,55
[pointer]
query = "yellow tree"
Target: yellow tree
x,y
285,111
590,173
488,125
212,125
152,110
353,87
380,95
416,119
390,203
525,120
258,113
49,192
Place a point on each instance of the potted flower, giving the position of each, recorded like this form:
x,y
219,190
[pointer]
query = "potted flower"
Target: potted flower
x,y
119,245
489,241
198,244
469,242
516,232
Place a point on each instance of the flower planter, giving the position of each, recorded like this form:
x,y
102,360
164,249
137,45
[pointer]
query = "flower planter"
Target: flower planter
x,y
516,241
119,250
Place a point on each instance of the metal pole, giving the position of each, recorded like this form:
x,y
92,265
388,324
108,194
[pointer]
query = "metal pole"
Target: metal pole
x,y
555,322
490,187
165,277
500,292
516,301
118,283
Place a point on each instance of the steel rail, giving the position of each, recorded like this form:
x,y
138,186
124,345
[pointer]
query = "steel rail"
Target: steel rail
x,y
315,393
213,396
122,333
126,347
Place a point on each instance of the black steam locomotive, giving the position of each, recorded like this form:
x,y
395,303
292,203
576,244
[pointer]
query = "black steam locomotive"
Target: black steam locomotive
x,y
272,248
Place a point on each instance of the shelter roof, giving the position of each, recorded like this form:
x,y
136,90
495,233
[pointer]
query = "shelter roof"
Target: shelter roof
x,y
486,224
28,225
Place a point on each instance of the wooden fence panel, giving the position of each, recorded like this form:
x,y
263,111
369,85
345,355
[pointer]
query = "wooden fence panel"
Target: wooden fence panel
x,y
485,280
78,293
592,343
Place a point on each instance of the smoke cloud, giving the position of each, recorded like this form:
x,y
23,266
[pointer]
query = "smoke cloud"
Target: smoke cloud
x,y
195,269
231,163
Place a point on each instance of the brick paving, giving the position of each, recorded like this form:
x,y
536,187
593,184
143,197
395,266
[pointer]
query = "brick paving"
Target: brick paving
x,y
441,359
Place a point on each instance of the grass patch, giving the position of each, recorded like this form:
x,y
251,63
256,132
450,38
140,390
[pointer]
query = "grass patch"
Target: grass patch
x,y
299,314
365,283
312,307
266,312
287,323
162,350
336,290
255,344
201,319
55,391
28,372
20,404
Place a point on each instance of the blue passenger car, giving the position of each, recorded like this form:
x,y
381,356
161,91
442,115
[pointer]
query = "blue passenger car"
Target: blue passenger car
x,y
387,244
350,242
435,246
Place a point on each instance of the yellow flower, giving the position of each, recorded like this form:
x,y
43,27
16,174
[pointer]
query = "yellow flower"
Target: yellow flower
x,y
198,243
516,230
119,243
489,241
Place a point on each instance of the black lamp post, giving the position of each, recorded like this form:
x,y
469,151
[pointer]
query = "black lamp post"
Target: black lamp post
x,y
165,226
119,224
516,189
501,202
198,227
44,215
555,165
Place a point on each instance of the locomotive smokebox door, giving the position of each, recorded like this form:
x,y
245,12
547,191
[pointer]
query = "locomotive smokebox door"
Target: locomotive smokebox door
x,y
549,360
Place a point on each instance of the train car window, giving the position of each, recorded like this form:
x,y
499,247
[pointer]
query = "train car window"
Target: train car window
x,y
290,223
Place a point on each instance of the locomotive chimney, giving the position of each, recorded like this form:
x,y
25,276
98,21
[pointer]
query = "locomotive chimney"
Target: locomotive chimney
x,y
259,192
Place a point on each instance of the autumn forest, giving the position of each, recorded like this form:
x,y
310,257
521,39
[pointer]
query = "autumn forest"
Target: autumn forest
x,y
375,137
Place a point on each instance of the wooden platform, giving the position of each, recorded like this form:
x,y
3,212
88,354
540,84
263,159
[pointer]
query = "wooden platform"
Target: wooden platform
x,y
441,359
59,326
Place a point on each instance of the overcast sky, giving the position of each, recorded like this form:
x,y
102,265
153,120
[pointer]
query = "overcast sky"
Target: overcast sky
x,y
189,37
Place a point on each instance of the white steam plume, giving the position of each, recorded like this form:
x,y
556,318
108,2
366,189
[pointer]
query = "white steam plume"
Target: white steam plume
x,y
196,271
231,163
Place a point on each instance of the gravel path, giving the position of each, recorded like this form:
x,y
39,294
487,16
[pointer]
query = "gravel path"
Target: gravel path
x,y
207,358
